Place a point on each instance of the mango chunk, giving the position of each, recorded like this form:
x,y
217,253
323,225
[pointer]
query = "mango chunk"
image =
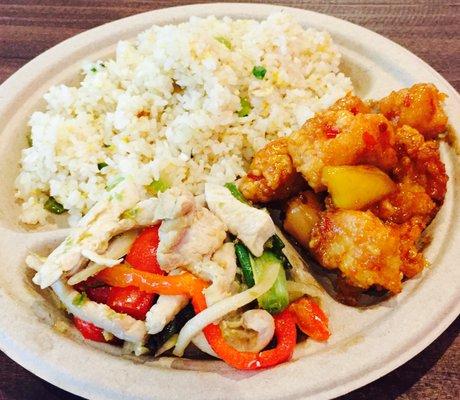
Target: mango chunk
x,y
356,187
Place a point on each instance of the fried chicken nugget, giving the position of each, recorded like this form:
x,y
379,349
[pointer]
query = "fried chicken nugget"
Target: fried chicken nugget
x,y
421,177
418,106
351,103
361,246
337,137
271,174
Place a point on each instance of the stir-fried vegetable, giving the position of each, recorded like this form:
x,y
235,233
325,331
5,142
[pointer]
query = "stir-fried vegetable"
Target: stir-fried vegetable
x,y
310,318
285,332
157,186
80,299
131,301
143,252
277,298
245,107
299,289
223,40
245,262
276,246
124,276
53,206
223,307
259,71
89,331
156,341
235,192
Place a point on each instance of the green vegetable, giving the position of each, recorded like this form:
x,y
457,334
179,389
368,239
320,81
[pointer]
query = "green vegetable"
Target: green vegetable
x,y
93,69
277,298
29,140
157,186
235,192
245,107
130,214
259,72
245,262
79,299
154,342
276,245
224,41
53,206
101,165
114,183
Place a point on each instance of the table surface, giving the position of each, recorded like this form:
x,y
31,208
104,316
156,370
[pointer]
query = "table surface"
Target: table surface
x,y
427,28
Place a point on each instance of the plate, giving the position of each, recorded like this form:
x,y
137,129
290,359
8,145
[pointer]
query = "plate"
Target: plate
x,y
365,344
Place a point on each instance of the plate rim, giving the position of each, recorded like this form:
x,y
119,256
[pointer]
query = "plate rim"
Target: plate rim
x,y
194,9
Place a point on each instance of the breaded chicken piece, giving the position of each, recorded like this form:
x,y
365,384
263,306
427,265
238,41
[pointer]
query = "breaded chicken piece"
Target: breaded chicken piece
x,y
418,106
364,249
351,103
271,175
420,162
409,234
421,177
409,200
341,138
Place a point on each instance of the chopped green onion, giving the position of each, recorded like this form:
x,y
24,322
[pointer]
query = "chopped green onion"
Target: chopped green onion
x,y
102,65
245,107
130,214
259,72
245,262
94,69
79,299
277,298
157,186
53,206
114,183
235,192
101,165
224,41
29,140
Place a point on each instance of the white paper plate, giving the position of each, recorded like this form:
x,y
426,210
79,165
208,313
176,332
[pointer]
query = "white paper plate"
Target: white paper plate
x,y
365,344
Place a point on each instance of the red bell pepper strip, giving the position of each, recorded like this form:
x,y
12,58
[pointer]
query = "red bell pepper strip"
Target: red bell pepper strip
x,y
130,300
310,318
99,294
188,284
89,330
286,337
143,253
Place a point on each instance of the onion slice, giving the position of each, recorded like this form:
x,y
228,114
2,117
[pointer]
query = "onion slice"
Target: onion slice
x,y
168,345
195,325
298,289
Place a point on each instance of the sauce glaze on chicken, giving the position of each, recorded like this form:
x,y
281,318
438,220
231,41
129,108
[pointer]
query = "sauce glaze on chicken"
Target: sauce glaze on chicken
x,y
372,181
